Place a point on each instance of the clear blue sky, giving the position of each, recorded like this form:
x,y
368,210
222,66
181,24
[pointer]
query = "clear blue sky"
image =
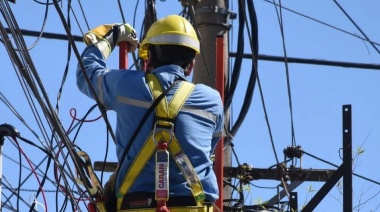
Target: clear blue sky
x,y
318,92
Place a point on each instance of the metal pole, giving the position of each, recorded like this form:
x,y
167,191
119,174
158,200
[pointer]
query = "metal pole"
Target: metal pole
x,y
219,159
211,20
123,55
1,169
347,158
5,130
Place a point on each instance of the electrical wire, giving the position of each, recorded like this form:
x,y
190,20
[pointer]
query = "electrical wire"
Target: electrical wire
x,y
254,73
47,2
84,16
357,27
29,81
34,172
281,24
82,67
324,23
238,59
82,175
75,17
25,58
42,28
336,166
231,89
8,186
59,93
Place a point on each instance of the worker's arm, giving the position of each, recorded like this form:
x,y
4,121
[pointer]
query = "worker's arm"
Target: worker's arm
x,y
101,41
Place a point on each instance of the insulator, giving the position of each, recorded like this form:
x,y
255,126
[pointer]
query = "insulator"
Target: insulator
x,y
293,151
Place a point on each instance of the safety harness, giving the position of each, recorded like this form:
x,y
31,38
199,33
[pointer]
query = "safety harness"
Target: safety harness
x,y
162,141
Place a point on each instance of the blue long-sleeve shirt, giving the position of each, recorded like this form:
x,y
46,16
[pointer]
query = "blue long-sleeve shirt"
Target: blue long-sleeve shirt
x,y
198,125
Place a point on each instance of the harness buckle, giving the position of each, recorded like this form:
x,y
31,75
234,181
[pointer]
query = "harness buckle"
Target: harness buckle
x,y
163,129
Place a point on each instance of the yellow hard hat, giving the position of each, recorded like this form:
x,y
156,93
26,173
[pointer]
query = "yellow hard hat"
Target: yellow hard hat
x,y
171,30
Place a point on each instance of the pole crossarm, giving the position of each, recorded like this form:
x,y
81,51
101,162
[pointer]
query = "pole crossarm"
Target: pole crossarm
x,y
319,175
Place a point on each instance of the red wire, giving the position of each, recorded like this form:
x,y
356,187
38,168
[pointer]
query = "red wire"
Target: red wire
x,y
61,187
34,172
76,119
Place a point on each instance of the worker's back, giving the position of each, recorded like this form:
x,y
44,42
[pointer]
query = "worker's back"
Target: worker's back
x,y
195,126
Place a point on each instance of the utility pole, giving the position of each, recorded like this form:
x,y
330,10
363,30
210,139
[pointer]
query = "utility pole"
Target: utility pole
x,y
211,20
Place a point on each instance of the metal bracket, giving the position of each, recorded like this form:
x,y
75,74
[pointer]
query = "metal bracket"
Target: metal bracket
x,y
344,170
227,14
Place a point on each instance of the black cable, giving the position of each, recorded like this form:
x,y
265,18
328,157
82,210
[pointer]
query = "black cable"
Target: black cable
x,y
281,24
45,3
50,156
75,17
67,189
58,98
254,58
66,71
81,122
30,67
84,16
14,111
134,13
13,191
28,71
121,11
136,60
105,159
357,27
81,65
239,58
37,166
275,165
29,169
323,23
262,187
253,77
33,144
234,153
336,166
42,28
234,189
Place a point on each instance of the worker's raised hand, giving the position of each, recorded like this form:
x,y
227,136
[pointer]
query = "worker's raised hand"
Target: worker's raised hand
x,y
128,33
107,36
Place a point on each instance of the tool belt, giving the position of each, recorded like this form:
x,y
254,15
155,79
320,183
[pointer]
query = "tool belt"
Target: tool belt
x,y
205,208
144,201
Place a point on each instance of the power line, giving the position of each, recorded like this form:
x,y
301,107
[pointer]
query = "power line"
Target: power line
x,y
48,35
273,58
311,61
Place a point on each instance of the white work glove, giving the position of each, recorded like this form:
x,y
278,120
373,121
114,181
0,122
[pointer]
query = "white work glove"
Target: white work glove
x,y
107,36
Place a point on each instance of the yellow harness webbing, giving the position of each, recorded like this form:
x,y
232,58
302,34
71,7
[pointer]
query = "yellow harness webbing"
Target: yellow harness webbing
x,y
163,132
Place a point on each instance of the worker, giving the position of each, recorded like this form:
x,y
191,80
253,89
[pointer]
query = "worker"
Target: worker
x,y
169,50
